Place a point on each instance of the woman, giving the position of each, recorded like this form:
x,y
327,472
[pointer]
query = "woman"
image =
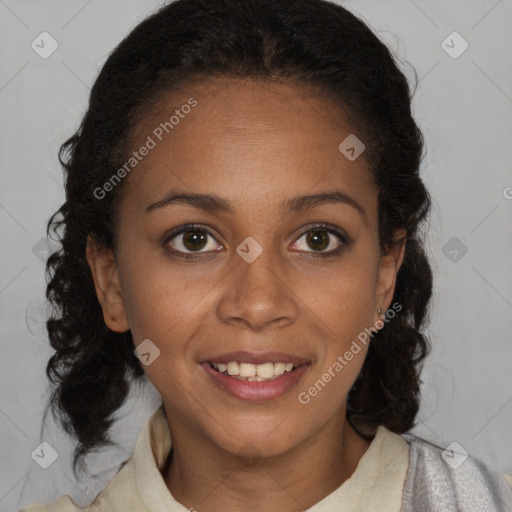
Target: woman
x,y
242,227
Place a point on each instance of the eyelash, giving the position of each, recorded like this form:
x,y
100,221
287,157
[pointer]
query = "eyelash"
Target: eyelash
x,y
340,235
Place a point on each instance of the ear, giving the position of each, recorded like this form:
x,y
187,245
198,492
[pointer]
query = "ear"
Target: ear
x,y
108,285
390,263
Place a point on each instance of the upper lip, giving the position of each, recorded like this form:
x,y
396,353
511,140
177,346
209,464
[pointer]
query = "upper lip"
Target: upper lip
x,y
243,356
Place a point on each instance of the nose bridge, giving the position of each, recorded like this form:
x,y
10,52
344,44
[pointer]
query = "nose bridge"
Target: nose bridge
x,y
257,292
257,272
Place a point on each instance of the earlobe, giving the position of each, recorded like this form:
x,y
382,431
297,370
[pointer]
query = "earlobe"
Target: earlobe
x,y
390,264
107,283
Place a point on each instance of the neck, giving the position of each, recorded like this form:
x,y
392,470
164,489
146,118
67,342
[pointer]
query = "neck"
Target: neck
x,y
202,476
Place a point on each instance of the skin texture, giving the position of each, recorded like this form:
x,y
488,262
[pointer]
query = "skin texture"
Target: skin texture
x,y
255,144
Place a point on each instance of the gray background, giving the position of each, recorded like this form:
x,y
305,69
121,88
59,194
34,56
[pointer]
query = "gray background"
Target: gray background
x,y
464,107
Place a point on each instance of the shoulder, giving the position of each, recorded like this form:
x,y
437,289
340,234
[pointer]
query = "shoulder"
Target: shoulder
x,y
451,478
121,494
135,475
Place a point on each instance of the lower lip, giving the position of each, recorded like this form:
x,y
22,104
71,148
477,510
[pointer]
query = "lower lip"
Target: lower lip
x,y
256,391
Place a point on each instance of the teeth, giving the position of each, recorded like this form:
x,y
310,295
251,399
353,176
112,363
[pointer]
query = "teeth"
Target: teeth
x,y
253,372
247,370
233,368
279,368
265,370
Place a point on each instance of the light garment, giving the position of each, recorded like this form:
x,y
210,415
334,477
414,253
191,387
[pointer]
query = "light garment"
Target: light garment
x,y
393,474
450,480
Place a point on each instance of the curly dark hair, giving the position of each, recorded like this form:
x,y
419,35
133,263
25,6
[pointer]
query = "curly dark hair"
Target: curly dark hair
x,y
310,42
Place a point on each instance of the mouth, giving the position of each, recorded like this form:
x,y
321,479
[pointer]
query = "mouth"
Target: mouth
x,y
256,377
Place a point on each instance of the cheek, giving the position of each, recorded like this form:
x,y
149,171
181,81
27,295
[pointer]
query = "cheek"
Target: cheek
x,y
159,300
342,308
343,299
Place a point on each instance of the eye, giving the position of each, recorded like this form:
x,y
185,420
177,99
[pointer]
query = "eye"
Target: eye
x,y
323,239
194,241
190,239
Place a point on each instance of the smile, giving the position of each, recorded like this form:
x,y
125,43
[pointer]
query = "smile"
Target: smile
x,y
255,377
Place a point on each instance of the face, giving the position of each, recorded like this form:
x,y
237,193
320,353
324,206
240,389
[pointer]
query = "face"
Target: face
x,y
247,272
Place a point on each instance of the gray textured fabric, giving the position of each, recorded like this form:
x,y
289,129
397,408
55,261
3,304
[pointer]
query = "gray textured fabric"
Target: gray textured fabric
x,y
433,485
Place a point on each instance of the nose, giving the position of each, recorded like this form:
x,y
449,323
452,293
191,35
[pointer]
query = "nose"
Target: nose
x,y
257,294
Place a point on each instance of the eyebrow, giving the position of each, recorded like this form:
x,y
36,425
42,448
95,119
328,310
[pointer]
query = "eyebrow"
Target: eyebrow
x,y
214,203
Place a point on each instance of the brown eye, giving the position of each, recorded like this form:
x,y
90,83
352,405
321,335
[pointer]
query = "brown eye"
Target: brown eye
x,y
192,239
324,240
317,240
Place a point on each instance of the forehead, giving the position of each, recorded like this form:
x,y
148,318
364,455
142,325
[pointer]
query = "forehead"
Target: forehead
x,y
254,141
